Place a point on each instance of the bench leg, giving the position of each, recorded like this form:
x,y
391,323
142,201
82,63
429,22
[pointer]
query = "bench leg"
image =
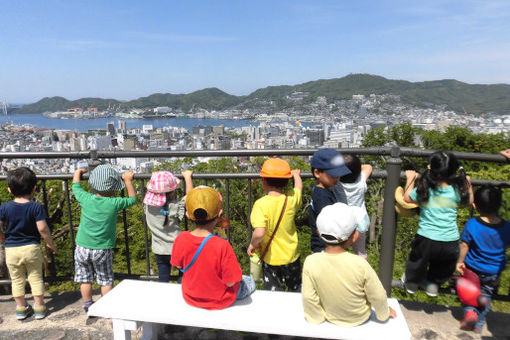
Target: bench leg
x,y
150,331
120,331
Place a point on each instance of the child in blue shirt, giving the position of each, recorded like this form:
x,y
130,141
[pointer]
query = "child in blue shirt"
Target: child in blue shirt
x,y
482,250
24,222
328,166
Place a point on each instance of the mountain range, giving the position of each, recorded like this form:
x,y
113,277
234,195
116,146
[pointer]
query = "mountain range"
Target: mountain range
x,y
456,95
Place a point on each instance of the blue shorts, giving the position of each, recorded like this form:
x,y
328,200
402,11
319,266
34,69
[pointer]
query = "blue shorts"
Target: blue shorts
x,y
90,264
246,287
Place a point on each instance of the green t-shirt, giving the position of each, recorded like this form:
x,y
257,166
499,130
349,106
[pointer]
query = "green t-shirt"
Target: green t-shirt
x,y
438,216
98,222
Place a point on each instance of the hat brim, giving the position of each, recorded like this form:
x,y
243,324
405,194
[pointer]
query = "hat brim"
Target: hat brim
x,y
339,171
402,207
154,199
118,186
275,176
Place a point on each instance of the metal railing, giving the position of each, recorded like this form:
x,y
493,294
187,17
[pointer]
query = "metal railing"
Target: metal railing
x,y
392,174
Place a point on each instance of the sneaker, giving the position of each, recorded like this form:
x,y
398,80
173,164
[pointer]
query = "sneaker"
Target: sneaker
x,y
23,312
40,312
431,289
410,287
469,320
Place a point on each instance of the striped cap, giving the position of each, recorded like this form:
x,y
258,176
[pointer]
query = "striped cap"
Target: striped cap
x,y
104,178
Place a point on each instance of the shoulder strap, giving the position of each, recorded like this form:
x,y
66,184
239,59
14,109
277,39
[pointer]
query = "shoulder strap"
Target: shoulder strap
x,y
275,229
196,254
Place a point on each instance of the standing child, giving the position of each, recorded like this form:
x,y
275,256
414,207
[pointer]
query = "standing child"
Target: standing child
x,y
163,212
338,286
212,276
93,256
25,222
482,250
280,263
351,190
435,248
327,167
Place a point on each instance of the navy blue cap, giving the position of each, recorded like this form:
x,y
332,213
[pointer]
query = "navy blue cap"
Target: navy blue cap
x,y
331,161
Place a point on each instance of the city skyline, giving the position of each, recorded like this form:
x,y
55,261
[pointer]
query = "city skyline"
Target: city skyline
x,y
126,50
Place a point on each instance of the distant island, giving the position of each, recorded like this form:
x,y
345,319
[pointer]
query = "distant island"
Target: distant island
x,y
452,94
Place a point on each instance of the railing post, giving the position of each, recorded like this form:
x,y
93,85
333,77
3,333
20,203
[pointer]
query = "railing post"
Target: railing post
x,y
146,232
393,167
228,207
51,258
69,215
93,162
126,236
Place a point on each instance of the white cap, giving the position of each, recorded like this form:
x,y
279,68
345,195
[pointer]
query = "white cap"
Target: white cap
x,y
339,222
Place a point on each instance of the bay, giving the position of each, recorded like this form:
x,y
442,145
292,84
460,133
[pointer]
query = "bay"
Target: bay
x,y
82,125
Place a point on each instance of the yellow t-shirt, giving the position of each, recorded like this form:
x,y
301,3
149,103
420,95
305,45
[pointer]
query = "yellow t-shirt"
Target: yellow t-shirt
x,y
341,288
265,214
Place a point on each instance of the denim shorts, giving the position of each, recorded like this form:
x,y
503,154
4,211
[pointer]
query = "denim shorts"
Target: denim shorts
x,y
90,264
246,287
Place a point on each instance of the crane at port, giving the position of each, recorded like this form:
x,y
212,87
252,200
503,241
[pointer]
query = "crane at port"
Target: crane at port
x,y
4,108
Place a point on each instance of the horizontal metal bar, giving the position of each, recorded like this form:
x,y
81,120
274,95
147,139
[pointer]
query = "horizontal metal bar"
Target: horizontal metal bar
x,y
188,153
378,151
254,175
468,156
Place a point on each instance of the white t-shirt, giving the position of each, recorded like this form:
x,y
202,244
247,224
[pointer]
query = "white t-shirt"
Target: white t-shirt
x,y
353,194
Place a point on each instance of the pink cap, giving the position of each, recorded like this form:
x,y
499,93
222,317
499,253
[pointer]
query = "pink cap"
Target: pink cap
x,y
160,183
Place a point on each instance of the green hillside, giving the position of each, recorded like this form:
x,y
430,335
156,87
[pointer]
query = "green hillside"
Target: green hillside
x,y
458,96
211,99
61,104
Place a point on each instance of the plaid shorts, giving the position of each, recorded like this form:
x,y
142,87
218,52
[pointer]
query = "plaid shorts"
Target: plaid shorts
x,y
90,264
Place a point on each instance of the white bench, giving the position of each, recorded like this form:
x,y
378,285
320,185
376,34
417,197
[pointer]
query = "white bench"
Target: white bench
x,y
133,303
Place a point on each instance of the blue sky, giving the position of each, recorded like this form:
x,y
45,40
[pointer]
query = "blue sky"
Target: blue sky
x,y
129,49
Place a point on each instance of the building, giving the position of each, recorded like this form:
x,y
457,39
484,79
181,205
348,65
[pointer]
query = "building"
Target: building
x,y
122,127
110,129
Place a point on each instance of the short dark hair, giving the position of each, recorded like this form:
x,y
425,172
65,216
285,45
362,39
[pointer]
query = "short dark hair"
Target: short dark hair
x,y
277,182
354,164
488,199
21,181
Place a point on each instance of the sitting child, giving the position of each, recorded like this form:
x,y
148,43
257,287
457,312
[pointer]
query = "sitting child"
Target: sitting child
x,y
338,286
212,276
482,250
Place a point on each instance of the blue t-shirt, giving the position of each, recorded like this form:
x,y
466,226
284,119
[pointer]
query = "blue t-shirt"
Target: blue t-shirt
x,y
320,198
487,243
438,216
19,221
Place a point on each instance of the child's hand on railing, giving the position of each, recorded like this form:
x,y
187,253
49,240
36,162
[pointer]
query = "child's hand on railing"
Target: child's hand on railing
x,y
411,175
187,174
128,176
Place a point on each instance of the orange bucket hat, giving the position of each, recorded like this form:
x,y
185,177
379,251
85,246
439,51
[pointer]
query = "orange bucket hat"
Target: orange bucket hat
x,y
275,168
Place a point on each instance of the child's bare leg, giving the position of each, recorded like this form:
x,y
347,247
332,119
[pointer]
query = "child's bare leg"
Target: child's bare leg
x,y
105,289
20,301
39,300
86,291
